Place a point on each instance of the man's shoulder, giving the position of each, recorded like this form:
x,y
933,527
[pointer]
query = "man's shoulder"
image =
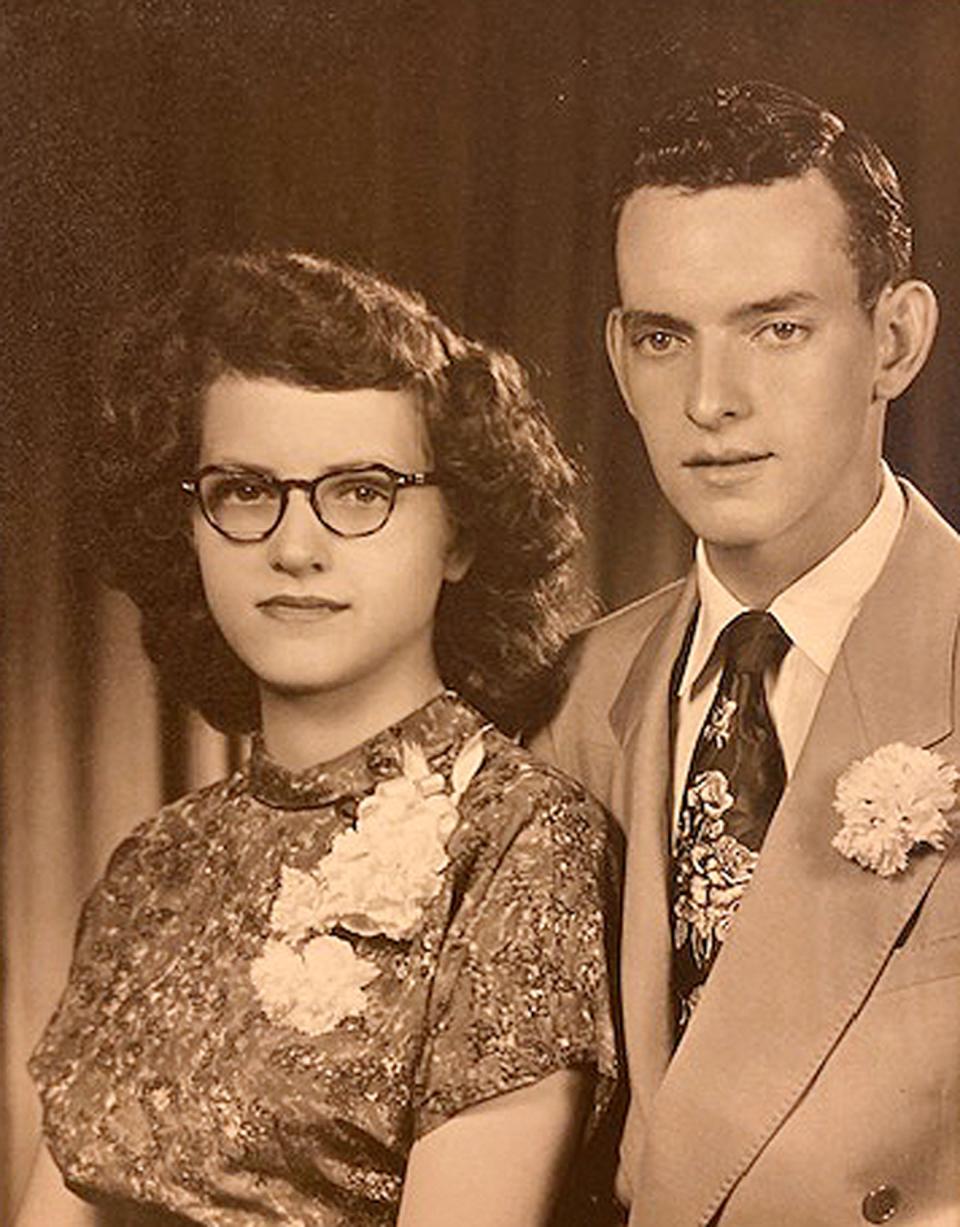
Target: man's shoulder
x,y
929,530
621,633
923,564
579,737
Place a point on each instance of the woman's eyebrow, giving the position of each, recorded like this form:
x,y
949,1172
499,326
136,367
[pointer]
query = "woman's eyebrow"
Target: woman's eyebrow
x,y
342,466
242,466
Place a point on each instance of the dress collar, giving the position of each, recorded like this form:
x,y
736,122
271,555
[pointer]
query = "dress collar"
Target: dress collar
x,y
817,609
440,727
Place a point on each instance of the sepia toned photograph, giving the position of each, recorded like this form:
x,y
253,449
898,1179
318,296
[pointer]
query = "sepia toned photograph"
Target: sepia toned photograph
x,y
480,613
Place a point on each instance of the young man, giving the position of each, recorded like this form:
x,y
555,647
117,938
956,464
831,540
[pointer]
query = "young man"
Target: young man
x,y
791,973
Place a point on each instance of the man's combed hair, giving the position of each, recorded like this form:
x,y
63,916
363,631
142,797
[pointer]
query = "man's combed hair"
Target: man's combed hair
x,y
756,133
322,325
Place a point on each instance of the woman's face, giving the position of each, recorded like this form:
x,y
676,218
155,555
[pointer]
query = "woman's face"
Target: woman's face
x,y
309,612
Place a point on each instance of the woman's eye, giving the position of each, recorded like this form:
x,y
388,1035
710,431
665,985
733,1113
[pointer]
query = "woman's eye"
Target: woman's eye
x,y
247,491
238,489
364,492
367,494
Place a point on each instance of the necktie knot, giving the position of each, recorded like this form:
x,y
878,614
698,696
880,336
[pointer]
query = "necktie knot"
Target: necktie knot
x,y
754,642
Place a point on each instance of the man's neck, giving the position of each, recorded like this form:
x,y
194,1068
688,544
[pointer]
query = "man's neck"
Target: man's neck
x,y
757,573
753,578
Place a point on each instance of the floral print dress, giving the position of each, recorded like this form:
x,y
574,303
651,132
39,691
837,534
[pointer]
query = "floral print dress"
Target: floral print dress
x,y
273,996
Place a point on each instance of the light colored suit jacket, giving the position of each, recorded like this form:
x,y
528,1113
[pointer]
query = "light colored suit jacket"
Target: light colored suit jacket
x,y
823,1061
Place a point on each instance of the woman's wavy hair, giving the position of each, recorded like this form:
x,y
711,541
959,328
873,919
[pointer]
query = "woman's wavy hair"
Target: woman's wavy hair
x,y
321,324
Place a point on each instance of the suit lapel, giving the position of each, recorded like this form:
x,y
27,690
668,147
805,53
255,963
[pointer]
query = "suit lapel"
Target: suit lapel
x,y
641,791
814,930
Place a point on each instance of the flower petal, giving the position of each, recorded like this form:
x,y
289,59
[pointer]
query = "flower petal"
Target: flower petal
x,y
467,763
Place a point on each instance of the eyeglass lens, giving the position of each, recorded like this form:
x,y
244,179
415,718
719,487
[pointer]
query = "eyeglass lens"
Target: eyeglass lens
x,y
248,506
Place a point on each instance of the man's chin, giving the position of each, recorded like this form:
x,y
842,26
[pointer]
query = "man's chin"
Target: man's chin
x,y
728,536
728,520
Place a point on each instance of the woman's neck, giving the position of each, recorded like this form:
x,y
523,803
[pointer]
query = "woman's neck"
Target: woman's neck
x,y
300,730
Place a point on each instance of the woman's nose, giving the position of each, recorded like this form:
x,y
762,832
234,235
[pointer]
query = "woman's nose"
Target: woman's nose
x,y
300,542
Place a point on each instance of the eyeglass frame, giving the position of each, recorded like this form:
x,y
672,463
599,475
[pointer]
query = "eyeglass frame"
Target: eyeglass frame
x,y
310,485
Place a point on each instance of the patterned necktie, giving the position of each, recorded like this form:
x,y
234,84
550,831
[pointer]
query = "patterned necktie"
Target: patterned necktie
x,y
735,782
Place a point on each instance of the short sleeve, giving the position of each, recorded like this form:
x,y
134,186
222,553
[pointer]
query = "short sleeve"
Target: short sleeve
x,y
127,926
525,975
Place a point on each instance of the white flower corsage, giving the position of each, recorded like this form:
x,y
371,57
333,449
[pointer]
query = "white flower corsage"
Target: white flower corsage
x,y
313,987
377,878
894,799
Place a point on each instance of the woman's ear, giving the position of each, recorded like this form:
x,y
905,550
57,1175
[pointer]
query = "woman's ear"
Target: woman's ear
x,y
460,555
905,323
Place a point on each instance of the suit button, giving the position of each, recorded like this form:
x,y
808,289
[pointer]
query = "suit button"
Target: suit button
x,y
881,1204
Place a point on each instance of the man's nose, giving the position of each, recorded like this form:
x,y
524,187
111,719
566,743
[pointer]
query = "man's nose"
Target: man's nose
x,y
299,543
716,390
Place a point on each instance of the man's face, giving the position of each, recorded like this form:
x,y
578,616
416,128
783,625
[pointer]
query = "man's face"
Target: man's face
x,y
748,362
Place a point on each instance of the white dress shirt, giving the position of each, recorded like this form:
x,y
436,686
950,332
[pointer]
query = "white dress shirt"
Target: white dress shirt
x,y
816,612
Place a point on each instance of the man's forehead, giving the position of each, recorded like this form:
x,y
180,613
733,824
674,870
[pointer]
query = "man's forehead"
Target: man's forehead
x,y
809,197
747,239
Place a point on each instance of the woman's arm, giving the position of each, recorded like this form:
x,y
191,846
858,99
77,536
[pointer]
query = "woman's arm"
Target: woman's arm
x,y
48,1201
501,1163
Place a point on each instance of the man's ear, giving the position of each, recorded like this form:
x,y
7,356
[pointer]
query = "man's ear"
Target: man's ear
x,y
616,351
905,323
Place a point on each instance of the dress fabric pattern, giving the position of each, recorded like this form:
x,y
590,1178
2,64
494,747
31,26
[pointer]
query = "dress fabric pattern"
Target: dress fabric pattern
x,y
166,1087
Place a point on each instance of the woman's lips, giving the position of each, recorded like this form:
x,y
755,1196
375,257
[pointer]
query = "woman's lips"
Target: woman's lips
x,y
287,607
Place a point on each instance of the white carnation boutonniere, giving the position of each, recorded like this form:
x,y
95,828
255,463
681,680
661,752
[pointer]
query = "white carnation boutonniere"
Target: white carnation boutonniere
x,y
377,879
896,798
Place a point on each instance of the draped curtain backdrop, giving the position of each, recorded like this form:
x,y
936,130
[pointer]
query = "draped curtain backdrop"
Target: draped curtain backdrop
x,y
465,147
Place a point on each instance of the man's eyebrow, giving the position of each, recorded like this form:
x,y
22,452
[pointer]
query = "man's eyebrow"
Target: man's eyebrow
x,y
792,300
636,317
779,303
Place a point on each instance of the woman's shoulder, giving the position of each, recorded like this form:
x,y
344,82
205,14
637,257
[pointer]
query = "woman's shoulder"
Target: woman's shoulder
x,y
166,839
516,789
154,869
519,770
527,938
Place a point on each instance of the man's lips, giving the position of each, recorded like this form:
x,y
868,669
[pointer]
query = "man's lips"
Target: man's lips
x,y
727,459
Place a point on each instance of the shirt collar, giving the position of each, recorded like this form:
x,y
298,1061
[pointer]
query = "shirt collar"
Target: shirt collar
x,y
439,728
817,609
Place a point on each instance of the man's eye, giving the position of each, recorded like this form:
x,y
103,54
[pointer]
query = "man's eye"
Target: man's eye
x,y
783,332
656,342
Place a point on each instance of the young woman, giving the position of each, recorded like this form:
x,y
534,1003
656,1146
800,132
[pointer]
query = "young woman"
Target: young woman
x,y
364,980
